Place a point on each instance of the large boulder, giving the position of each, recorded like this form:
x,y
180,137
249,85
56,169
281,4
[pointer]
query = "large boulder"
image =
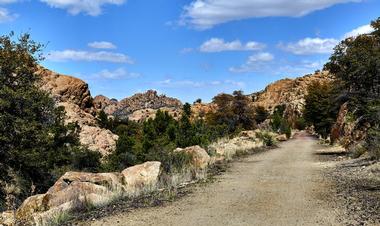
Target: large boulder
x,y
112,181
141,178
199,157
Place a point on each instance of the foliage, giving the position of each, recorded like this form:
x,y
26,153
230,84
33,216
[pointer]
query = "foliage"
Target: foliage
x,y
35,142
155,140
319,107
300,123
355,62
102,119
198,101
267,138
234,111
261,114
278,122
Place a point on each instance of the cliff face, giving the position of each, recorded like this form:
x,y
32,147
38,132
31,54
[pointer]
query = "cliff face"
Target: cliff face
x,y
74,95
288,92
139,107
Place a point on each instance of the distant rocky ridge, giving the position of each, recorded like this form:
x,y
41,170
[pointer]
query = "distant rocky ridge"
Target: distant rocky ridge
x,y
138,107
74,95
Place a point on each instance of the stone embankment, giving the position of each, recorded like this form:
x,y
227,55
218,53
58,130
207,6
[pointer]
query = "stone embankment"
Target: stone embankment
x,y
79,190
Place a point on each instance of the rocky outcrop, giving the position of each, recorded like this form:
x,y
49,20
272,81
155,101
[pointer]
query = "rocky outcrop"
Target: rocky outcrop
x,y
109,106
73,94
347,130
200,110
97,139
149,113
139,107
76,190
66,88
288,92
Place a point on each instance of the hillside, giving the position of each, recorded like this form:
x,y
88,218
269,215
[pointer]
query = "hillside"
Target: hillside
x,y
288,92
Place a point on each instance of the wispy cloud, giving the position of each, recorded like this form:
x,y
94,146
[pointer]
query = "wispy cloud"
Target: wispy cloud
x,y
219,45
309,46
89,7
77,55
6,16
205,14
119,73
253,63
102,45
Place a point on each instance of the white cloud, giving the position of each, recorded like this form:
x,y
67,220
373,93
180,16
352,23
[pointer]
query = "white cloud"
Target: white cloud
x,y
309,46
90,7
365,29
204,14
102,45
119,73
6,16
169,83
299,68
219,45
76,55
254,62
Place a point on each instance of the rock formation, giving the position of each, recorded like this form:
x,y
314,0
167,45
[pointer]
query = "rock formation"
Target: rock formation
x,y
288,92
346,130
73,94
138,107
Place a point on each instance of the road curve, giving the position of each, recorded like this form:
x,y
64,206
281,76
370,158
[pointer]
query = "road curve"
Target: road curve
x,y
283,186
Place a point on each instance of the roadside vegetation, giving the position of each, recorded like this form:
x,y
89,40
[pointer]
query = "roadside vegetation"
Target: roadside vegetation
x,y
355,65
36,146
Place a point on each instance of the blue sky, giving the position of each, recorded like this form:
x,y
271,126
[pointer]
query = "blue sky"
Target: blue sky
x,y
187,49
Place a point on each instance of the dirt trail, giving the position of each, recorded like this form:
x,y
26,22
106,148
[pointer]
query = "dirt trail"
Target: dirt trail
x,y
283,186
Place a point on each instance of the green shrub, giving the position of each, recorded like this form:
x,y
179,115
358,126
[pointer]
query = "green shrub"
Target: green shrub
x,y
300,123
267,138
